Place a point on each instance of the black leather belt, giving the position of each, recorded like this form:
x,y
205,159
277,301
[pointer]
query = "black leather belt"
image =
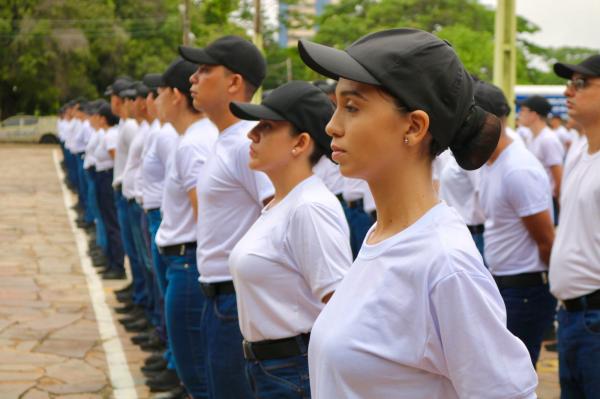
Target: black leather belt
x,y
276,349
476,228
355,204
152,210
131,201
590,301
118,187
211,290
177,250
340,198
522,280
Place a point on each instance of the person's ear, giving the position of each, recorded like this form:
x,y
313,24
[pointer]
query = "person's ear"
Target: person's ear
x,y
418,127
236,83
303,144
178,97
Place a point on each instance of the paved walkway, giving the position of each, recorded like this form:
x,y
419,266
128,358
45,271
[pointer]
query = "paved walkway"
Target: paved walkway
x,y
57,329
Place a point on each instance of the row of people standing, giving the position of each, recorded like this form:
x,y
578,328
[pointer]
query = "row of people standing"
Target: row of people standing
x,y
269,242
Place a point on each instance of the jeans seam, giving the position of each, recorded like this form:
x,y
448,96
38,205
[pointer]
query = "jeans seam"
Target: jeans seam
x,y
283,381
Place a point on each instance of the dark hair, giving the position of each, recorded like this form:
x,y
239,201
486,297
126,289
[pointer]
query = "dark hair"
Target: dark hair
x,y
476,138
318,151
105,112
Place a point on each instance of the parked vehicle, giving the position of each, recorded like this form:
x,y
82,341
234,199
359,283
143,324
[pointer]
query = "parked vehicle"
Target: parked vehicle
x,y
30,129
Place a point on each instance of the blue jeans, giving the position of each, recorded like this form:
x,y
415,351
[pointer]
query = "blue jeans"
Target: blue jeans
x,y
93,205
579,354
359,222
225,363
183,310
478,238
83,190
139,287
529,313
135,213
107,208
279,378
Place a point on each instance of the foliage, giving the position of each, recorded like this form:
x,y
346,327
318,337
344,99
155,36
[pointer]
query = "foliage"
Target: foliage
x,y
54,50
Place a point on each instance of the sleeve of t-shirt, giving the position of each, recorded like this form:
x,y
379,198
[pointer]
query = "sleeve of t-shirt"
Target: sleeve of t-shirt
x,y
527,191
553,151
318,241
482,358
256,183
189,162
111,139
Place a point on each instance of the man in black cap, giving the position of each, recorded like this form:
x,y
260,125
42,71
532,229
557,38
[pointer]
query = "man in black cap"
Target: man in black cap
x,y
544,144
516,199
230,198
575,261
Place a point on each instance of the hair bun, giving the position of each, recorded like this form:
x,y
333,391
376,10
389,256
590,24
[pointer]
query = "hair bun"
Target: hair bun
x,y
476,139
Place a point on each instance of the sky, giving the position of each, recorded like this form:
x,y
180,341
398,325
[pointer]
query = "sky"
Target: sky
x,y
574,23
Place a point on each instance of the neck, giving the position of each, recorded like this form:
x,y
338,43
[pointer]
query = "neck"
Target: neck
x,y
537,127
185,120
401,197
503,142
592,132
223,119
285,179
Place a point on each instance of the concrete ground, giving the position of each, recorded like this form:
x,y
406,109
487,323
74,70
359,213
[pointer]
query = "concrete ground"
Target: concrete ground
x,y
58,332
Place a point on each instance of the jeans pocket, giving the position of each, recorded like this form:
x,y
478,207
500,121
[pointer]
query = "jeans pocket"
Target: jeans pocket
x,y
591,321
279,375
225,307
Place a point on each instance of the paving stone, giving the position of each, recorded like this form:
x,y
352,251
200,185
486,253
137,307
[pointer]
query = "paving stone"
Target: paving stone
x,y
68,348
52,322
20,373
77,377
36,394
12,389
81,329
14,357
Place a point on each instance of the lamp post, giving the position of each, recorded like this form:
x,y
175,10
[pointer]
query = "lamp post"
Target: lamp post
x,y
505,51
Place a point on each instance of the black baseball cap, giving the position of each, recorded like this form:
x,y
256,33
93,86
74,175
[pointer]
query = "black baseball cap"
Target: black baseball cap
x,y
491,98
177,75
537,104
588,67
141,90
153,80
416,67
302,104
118,85
233,52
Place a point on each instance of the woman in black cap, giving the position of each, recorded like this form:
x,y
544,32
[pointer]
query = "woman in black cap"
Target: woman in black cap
x,y
287,265
417,315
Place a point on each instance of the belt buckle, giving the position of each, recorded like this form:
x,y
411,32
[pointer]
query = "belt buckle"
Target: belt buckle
x,y
247,348
182,250
545,278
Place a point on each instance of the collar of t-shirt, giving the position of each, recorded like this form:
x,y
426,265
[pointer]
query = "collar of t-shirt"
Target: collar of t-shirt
x,y
370,251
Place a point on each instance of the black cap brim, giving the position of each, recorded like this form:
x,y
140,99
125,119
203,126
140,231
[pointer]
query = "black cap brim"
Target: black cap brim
x,y
154,80
333,63
566,71
254,112
196,55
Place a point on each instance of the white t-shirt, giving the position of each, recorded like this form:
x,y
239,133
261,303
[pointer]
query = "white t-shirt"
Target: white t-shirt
x,y
161,145
60,128
297,252
75,126
89,160
230,199
103,159
127,131
516,137
548,150
329,172
564,136
419,317
578,146
355,189
82,136
439,163
513,187
460,189
575,259
134,161
525,134
194,147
